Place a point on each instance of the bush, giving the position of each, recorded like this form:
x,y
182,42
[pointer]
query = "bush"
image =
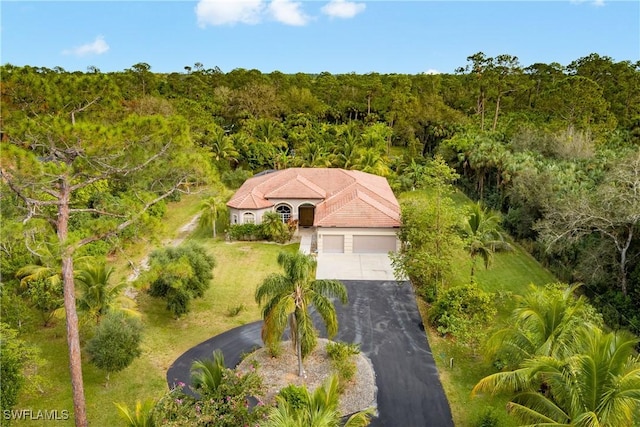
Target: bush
x,y
341,355
489,417
248,232
463,312
294,395
11,364
228,405
180,274
234,311
116,342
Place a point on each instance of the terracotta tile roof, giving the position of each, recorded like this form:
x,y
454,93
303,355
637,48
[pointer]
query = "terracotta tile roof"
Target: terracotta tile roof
x,y
351,198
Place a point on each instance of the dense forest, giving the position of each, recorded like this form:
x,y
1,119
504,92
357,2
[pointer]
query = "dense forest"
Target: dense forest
x,y
90,159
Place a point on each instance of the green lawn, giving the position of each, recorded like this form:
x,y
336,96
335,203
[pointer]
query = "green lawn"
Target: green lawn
x,y
240,268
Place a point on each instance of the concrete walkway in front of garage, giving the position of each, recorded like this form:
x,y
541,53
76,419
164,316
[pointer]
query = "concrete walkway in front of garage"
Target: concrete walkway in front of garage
x,y
354,267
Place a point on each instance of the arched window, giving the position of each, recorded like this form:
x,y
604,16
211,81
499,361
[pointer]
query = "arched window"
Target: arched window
x,y
248,218
284,211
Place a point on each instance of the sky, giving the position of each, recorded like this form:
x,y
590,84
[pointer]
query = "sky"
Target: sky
x,y
290,36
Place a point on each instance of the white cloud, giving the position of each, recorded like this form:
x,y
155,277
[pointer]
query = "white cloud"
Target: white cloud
x,y
342,9
288,12
221,12
432,71
97,47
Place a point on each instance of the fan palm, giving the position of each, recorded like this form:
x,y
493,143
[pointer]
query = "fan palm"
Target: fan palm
x,y
483,236
287,298
598,385
317,409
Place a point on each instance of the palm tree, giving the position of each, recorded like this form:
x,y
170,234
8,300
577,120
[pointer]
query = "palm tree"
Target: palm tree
x,y
222,147
274,228
209,213
96,297
371,161
483,236
44,287
346,148
287,298
598,385
317,409
544,323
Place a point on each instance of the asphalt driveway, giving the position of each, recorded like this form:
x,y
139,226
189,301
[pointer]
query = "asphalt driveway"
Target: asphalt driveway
x,y
382,316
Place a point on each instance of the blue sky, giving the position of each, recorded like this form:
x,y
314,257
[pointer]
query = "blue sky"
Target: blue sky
x,y
338,36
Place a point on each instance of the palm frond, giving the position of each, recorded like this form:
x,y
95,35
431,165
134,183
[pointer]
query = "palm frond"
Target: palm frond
x,y
206,375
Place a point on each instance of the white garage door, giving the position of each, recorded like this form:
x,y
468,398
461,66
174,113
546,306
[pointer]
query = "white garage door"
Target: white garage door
x,y
333,244
373,244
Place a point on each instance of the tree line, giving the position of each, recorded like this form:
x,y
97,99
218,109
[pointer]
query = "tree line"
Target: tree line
x,y
90,159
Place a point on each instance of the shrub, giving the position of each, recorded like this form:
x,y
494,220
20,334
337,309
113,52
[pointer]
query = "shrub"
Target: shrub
x,y
489,417
248,232
341,355
462,312
226,405
295,396
180,274
234,311
116,342
11,364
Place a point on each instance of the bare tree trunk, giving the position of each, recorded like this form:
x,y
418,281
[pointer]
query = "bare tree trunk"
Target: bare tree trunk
x,y
73,334
495,117
295,329
623,262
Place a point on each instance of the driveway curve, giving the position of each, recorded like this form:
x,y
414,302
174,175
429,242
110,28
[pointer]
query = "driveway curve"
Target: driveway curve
x,y
382,316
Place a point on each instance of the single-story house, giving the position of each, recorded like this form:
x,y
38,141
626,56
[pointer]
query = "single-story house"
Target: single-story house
x,y
350,211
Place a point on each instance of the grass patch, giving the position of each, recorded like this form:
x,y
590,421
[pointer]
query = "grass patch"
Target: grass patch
x,y
240,268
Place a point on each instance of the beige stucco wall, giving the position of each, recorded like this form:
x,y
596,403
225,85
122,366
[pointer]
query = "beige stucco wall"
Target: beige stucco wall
x,y
293,203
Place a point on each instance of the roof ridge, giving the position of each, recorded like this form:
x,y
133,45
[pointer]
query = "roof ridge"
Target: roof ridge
x,y
304,180
376,204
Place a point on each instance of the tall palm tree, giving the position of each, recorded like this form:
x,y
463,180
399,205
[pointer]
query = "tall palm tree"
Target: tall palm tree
x,y
318,409
598,385
209,213
96,297
287,298
544,323
483,236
